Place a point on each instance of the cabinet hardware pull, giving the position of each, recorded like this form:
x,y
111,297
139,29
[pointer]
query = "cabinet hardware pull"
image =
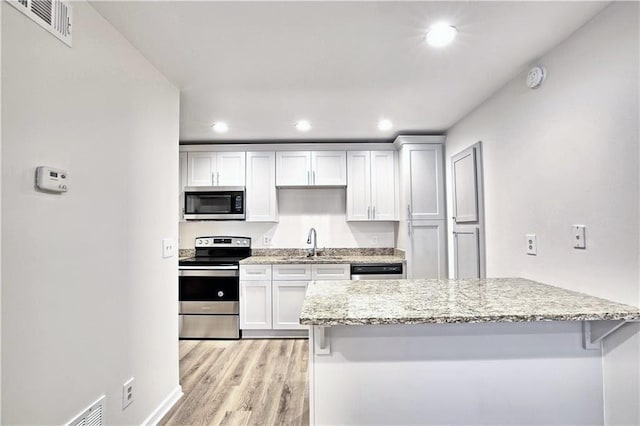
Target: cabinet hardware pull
x,y
308,178
218,176
213,178
409,211
314,177
409,228
369,212
374,212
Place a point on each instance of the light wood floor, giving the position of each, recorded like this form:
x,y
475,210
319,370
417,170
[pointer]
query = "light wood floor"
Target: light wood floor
x,y
242,382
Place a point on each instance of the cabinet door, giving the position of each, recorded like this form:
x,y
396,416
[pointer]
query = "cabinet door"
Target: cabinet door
x,y
329,168
201,168
261,197
427,258
358,185
255,305
464,186
426,185
183,182
291,271
287,304
293,168
230,169
383,185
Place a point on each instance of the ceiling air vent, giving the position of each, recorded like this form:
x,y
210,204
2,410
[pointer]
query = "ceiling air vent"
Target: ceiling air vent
x,y
54,16
92,416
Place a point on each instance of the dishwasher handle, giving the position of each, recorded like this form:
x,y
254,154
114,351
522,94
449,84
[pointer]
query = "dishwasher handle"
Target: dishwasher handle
x,y
377,269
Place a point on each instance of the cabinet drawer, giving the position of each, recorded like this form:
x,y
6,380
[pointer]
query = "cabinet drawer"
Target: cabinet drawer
x,y
291,272
339,271
255,272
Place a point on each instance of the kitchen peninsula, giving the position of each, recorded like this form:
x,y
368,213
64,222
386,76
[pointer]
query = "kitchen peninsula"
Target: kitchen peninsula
x,y
492,351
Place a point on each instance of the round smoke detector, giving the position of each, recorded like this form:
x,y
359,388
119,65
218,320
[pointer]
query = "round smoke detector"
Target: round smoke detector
x,y
536,76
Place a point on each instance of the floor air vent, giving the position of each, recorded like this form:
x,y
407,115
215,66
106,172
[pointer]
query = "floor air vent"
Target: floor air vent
x,y
92,416
54,16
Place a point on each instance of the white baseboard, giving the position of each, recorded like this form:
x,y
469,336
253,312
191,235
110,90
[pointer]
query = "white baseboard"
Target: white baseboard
x,y
164,407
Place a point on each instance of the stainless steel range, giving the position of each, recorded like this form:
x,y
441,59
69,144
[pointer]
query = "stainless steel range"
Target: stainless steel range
x,y
210,288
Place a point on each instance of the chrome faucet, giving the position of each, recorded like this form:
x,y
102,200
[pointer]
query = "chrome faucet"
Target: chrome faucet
x,y
314,250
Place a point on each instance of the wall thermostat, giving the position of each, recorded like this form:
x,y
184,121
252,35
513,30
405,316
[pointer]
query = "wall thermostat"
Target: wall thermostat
x,y
51,180
536,76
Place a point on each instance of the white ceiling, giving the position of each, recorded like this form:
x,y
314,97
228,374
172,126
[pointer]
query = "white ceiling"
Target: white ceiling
x,y
261,66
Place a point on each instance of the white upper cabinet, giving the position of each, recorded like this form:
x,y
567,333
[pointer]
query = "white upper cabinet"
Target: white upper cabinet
x,y
311,168
231,169
261,197
329,168
426,182
216,169
372,183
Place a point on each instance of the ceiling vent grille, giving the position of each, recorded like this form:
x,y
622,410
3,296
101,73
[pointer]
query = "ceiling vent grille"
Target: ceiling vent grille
x,y
54,16
92,416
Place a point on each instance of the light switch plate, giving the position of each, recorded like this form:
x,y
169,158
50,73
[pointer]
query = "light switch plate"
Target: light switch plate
x,y
579,241
168,248
532,245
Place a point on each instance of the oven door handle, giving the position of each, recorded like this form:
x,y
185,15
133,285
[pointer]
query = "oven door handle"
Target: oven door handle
x,y
208,273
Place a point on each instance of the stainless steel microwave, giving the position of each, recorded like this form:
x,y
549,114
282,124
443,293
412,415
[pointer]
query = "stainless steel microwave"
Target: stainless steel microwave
x,y
214,203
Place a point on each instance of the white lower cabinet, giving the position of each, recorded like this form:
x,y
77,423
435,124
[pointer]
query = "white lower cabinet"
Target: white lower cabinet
x,y
271,296
288,297
255,305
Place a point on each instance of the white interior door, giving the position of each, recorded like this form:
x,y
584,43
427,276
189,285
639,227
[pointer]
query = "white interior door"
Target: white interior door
x,y
465,186
468,213
466,254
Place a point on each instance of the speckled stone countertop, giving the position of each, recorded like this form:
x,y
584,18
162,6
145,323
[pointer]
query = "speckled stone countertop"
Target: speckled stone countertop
x,y
452,301
333,255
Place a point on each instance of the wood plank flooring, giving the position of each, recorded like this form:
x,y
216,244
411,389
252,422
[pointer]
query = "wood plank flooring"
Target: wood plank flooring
x,y
242,382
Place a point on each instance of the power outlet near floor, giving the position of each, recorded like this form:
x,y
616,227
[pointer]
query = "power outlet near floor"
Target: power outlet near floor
x,y
127,393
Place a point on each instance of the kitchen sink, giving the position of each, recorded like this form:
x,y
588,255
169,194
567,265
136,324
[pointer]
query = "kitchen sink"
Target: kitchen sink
x,y
318,257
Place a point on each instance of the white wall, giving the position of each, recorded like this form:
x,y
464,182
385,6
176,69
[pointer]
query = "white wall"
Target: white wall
x,y
301,209
567,153
87,299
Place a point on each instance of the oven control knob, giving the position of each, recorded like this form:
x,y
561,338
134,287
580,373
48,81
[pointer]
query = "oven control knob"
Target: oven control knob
x,y
238,242
220,293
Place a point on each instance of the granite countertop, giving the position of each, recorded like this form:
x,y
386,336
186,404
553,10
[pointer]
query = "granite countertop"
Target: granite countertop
x,y
452,301
330,255
274,260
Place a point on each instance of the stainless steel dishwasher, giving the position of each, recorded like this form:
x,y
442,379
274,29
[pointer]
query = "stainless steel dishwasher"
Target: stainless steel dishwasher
x,y
377,271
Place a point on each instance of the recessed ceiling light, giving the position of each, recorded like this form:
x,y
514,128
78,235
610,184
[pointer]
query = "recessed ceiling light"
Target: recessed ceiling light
x,y
385,124
441,34
303,126
220,127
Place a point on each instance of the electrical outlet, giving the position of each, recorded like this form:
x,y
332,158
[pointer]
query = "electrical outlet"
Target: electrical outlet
x,y
127,393
374,240
579,241
266,240
168,246
532,244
